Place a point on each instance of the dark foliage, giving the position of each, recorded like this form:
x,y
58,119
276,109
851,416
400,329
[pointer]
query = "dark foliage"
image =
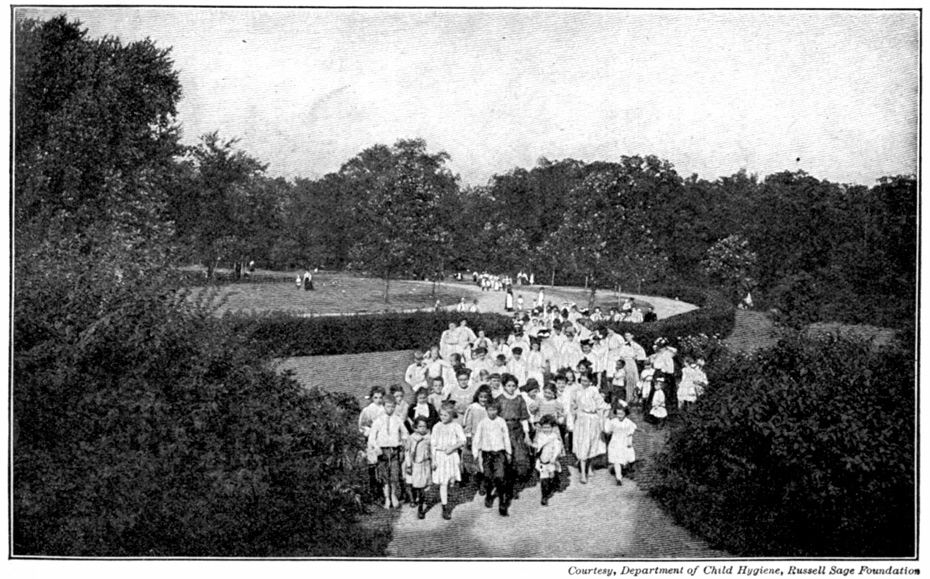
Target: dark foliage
x,y
141,425
285,335
715,317
805,450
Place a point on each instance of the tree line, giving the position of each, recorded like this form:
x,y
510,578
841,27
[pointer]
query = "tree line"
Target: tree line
x,y
98,150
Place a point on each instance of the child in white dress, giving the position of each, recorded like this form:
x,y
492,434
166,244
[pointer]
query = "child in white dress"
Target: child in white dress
x,y
620,450
446,440
658,412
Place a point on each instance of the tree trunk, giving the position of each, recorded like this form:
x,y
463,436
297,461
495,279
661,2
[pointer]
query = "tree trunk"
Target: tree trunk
x,y
591,297
552,283
387,285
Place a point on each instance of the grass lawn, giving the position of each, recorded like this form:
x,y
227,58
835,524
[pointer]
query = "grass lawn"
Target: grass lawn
x,y
334,293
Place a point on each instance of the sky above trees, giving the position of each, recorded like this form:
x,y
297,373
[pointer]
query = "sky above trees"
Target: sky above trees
x,y
833,93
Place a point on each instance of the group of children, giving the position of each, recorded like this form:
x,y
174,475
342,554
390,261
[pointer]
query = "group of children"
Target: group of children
x,y
483,410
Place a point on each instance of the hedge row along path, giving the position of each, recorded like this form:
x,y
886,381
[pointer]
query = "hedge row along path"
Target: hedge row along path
x,y
597,520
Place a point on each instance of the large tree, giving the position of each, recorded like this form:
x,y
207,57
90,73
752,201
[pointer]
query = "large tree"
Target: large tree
x,y
608,231
225,202
398,190
95,141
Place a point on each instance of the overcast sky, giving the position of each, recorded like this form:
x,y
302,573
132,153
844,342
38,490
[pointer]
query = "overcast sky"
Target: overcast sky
x,y
832,93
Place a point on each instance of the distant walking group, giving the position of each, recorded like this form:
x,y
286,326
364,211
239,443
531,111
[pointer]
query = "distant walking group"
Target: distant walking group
x,y
502,411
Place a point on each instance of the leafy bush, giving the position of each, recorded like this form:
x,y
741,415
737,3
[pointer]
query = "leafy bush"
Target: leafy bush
x,y
284,335
145,429
804,450
715,317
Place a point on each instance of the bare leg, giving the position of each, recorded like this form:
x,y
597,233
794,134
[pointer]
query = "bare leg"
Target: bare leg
x,y
583,467
387,496
444,493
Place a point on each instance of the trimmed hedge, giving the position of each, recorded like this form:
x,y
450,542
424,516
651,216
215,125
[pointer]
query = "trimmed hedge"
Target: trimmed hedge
x,y
715,317
804,450
284,335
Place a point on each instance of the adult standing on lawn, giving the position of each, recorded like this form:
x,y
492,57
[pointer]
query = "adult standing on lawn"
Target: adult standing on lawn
x,y
308,281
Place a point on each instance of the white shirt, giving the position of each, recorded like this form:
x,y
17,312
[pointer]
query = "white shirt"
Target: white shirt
x,y
415,376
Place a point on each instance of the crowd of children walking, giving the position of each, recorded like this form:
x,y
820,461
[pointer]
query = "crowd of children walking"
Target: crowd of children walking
x,y
503,411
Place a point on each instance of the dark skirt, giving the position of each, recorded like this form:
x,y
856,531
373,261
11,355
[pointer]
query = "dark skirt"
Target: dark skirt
x,y
522,462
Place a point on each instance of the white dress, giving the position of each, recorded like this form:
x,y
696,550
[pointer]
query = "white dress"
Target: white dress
x,y
620,450
448,466
588,440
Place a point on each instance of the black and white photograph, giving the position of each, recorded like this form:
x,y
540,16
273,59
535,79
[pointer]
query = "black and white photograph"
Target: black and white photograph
x,y
624,291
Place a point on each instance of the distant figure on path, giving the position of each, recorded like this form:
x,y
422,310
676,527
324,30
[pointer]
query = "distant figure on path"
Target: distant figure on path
x,y
308,281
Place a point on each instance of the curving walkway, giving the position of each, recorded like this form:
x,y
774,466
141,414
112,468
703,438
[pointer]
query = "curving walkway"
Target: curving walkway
x,y
494,301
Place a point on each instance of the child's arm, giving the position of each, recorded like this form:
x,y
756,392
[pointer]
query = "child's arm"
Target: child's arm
x,y
459,440
373,436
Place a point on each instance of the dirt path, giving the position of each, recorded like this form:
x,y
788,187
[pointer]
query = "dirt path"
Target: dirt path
x,y
594,520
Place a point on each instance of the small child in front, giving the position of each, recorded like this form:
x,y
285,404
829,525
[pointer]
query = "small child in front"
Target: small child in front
x,y
418,463
387,437
446,440
620,450
492,449
548,446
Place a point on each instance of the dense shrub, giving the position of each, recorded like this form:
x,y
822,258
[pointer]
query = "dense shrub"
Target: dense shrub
x,y
285,335
826,295
145,429
715,317
807,449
